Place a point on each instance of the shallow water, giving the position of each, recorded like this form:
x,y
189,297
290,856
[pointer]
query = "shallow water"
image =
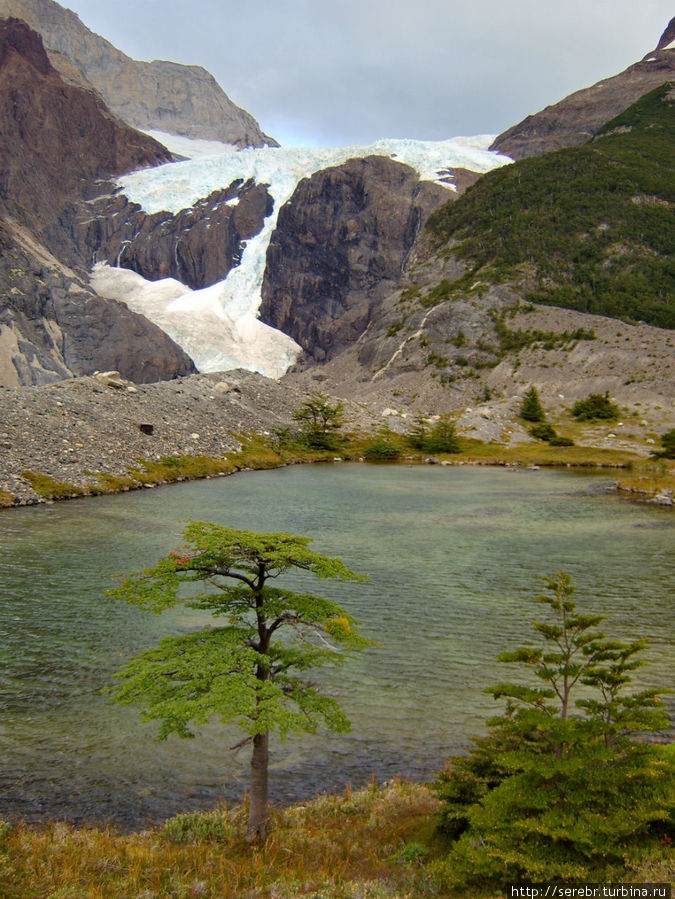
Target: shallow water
x,y
454,557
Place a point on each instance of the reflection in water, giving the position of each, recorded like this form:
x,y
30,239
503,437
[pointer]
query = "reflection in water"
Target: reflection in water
x,y
454,556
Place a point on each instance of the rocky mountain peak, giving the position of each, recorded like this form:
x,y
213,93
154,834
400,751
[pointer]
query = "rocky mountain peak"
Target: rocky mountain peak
x,y
151,96
667,41
16,37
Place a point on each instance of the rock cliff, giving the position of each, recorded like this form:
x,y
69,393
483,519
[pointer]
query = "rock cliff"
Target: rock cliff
x,y
340,246
57,140
197,246
158,95
577,118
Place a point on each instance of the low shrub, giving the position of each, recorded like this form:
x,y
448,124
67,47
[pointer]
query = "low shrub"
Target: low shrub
x,y
543,431
667,450
595,406
381,449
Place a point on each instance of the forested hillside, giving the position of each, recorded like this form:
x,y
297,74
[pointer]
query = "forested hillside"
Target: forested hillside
x,y
588,228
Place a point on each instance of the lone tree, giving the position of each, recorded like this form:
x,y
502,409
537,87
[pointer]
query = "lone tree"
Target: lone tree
x,y
320,420
559,787
530,407
241,671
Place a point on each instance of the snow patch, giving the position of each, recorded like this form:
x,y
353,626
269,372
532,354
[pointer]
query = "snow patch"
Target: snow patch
x,y
217,336
189,147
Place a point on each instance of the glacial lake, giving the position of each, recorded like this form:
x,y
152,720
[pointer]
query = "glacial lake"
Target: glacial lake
x,y
454,554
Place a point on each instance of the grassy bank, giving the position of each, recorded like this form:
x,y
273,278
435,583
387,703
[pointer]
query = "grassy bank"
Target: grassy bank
x,y
369,843
639,478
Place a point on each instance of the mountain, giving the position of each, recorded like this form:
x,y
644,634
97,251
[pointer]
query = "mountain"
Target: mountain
x,y
58,140
152,96
262,256
591,229
574,120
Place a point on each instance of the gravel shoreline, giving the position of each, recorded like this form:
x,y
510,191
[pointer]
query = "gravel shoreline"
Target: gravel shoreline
x,y
76,428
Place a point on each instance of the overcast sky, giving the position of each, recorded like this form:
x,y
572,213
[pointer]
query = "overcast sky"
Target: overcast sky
x,y
334,72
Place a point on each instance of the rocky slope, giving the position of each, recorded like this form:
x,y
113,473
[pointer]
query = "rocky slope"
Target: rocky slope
x,y
158,95
339,249
58,139
52,325
463,326
93,424
574,120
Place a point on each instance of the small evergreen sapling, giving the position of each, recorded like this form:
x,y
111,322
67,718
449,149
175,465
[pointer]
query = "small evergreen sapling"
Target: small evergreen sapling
x,y
559,789
320,421
531,408
246,670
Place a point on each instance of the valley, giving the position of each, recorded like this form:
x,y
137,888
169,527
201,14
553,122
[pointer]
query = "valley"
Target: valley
x,y
482,326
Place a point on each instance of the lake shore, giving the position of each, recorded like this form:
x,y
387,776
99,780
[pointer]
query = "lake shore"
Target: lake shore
x,y
100,434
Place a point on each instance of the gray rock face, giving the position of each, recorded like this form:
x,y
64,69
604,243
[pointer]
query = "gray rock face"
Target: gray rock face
x,y
197,246
340,246
577,118
157,95
668,36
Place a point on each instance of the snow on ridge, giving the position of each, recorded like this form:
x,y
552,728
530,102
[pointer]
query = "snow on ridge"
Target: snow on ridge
x,y
178,185
218,326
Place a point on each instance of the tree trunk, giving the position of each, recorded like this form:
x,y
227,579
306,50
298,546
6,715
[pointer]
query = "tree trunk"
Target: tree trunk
x,y
256,830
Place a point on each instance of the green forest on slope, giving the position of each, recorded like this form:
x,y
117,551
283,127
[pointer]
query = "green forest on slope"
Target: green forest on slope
x,y
592,228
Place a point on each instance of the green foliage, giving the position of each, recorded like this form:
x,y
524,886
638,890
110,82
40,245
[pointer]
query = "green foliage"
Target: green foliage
x,y
559,440
591,226
596,406
382,448
437,360
531,408
543,431
320,420
394,328
559,789
207,827
668,446
170,468
441,438
49,488
246,671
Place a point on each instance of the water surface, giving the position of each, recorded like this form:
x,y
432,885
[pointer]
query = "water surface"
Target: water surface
x,y
454,556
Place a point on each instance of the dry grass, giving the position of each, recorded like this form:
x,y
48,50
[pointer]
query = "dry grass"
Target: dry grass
x,y
647,479
543,454
367,844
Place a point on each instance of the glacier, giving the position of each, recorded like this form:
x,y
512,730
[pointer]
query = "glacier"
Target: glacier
x,y
218,326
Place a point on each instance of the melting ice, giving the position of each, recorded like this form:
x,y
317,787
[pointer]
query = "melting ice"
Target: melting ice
x,y
218,326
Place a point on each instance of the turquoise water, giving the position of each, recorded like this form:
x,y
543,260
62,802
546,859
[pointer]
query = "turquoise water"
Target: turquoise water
x,y
454,557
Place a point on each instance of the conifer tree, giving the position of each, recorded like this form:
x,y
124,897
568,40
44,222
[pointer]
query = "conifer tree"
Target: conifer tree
x,y
560,788
531,408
